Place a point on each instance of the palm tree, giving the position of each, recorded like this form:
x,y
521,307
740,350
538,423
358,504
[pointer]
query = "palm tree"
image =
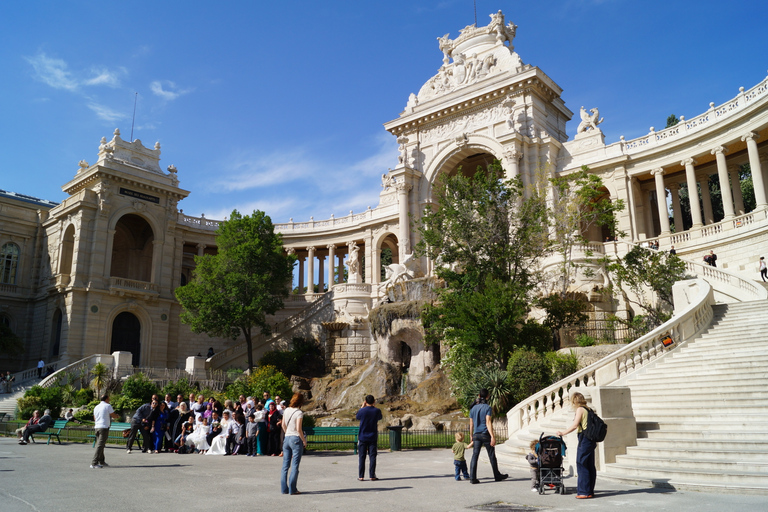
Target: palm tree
x,y
100,375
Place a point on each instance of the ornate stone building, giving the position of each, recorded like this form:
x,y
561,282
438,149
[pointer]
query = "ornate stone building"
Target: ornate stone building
x,y
96,273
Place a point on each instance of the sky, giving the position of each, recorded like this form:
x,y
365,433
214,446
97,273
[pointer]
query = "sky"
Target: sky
x,y
279,106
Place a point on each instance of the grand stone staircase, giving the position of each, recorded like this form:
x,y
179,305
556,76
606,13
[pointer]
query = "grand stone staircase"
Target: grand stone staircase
x,y
702,412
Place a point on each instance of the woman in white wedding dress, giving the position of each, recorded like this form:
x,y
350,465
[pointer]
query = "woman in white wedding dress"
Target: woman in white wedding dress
x,y
219,443
198,437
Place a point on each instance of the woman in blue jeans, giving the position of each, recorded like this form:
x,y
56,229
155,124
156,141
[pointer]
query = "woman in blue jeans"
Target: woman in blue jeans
x,y
585,454
293,445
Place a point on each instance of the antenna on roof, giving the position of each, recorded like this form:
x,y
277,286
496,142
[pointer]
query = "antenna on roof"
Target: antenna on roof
x,y
474,2
137,96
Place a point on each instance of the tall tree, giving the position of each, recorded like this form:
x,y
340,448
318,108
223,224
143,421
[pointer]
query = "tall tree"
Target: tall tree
x,y
487,241
232,292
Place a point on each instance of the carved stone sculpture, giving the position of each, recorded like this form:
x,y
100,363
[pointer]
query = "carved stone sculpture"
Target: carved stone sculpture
x,y
354,263
403,157
589,122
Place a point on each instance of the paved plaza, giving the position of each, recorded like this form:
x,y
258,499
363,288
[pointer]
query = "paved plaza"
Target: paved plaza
x,y
57,478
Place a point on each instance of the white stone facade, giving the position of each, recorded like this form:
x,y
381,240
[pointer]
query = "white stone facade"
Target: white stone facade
x,y
119,245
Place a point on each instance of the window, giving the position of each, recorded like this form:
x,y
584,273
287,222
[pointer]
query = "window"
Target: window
x,y
9,263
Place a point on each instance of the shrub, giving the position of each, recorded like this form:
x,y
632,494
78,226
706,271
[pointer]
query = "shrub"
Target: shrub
x,y
38,397
139,387
122,403
308,421
180,387
82,397
496,381
536,336
264,378
528,372
86,413
562,365
585,340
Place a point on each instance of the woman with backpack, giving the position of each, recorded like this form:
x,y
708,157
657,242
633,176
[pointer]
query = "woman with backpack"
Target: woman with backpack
x,y
585,454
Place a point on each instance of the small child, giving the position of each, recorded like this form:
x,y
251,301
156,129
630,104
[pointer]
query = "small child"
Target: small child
x,y
252,433
459,462
533,460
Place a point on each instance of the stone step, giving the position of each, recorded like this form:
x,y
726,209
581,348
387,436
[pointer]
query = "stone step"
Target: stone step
x,y
693,477
727,349
719,408
710,425
705,435
699,375
676,448
696,396
704,366
671,417
693,463
728,354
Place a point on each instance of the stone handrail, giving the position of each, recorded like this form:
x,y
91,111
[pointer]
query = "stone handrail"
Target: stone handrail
x,y
348,220
740,221
278,332
197,222
31,373
744,100
638,354
86,362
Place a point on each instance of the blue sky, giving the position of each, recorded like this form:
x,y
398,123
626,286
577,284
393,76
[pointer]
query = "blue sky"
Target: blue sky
x,y
279,106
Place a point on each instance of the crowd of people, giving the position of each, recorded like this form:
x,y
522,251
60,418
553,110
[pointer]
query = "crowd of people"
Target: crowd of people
x,y
246,426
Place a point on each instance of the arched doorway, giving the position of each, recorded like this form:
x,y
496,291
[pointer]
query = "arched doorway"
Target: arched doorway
x,y
470,164
126,335
132,249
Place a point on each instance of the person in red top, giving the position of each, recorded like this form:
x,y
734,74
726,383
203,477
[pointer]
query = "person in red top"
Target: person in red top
x,y
34,420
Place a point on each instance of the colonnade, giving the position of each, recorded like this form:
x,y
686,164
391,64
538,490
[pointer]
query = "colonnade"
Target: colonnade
x,y
730,186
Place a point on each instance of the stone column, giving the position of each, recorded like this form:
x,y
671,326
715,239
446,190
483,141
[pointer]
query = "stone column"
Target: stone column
x,y
674,189
405,232
513,162
321,273
706,201
301,274
310,270
331,269
201,249
758,181
738,200
725,185
661,199
693,192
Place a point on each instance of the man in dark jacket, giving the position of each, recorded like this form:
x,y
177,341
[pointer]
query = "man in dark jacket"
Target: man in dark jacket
x,y
41,426
140,423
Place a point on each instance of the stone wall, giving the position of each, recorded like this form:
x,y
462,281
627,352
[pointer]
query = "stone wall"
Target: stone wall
x,y
347,349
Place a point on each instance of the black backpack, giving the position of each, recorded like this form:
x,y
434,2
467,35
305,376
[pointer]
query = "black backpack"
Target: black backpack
x,y
596,427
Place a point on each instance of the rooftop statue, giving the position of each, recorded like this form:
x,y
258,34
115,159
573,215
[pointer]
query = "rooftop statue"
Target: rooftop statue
x,y
589,122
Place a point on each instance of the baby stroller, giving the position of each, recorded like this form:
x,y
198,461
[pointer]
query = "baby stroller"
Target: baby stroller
x,y
550,451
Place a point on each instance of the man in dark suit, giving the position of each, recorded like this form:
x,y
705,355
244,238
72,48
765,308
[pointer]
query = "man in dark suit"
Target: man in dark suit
x,y
41,426
140,424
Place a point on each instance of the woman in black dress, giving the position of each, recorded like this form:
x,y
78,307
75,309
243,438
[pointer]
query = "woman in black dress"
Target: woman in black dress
x,y
273,430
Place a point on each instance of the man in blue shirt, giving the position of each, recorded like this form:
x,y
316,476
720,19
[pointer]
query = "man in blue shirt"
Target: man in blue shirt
x,y
481,430
368,436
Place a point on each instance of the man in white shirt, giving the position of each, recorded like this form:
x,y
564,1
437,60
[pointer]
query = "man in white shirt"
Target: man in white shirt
x,y
102,415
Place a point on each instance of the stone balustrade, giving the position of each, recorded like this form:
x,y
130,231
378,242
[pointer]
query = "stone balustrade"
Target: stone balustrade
x,y
715,114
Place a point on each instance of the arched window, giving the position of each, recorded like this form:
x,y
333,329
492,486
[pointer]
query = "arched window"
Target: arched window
x,y
9,263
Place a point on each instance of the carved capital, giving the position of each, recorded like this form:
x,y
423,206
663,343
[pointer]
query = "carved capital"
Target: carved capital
x,y
403,187
658,171
734,168
310,250
749,136
331,247
673,187
688,162
290,251
201,246
513,155
719,150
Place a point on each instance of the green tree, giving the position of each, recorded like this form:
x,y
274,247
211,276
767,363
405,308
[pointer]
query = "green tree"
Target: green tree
x,y
100,378
487,239
642,270
672,120
264,378
232,292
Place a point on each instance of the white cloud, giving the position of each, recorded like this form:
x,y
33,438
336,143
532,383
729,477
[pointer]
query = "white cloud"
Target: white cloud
x,y
56,73
167,89
52,72
103,76
106,113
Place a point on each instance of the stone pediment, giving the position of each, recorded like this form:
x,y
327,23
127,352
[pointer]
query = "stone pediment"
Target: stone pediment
x,y
478,54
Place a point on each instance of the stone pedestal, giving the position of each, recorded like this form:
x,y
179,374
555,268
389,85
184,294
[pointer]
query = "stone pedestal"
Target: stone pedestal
x,y
196,367
123,362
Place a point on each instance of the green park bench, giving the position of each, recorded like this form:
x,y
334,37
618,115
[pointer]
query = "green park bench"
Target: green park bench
x,y
332,435
54,431
115,432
